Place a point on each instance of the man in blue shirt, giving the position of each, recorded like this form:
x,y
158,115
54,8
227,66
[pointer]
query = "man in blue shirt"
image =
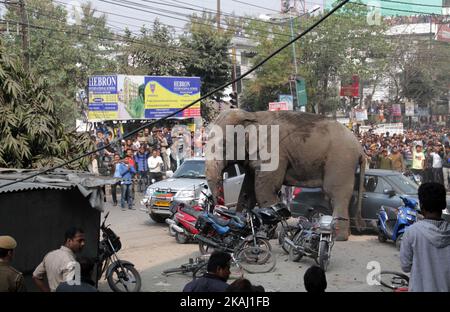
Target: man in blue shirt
x,y
126,171
142,167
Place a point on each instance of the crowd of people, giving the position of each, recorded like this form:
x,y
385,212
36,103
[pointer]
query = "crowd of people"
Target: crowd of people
x,y
425,153
141,160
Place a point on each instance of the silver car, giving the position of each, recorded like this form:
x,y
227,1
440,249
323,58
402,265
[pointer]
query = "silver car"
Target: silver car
x,y
186,185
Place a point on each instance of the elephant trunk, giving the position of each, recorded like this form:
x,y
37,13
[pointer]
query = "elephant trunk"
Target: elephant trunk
x,y
213,172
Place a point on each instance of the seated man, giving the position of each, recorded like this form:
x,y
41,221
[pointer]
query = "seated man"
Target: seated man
x,y
215,279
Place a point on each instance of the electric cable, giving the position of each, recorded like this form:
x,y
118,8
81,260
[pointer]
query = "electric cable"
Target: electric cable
x,y
261,63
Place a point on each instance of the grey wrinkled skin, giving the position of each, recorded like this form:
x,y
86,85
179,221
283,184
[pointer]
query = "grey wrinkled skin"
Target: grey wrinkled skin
x,y
313,152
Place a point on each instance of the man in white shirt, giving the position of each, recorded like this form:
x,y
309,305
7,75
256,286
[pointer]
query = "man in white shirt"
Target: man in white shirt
x,y
438,176
154,164
60,265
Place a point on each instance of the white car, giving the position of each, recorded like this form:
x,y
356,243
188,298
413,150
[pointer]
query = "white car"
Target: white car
x,y
186,185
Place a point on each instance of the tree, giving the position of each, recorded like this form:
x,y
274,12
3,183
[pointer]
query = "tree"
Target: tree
x,y
64,54
342,46
31,133
208,56
154,51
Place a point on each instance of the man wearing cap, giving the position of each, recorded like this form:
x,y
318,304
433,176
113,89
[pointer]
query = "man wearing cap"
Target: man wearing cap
x,y
11,280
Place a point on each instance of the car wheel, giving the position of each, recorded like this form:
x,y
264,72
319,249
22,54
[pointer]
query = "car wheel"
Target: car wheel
x,y
157,218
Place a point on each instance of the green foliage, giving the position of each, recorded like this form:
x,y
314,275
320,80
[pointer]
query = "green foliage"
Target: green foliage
x,y
153,52
208,56
31,133
64,54
341,46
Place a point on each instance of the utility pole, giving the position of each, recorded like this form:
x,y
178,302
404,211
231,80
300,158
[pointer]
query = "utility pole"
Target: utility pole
x,y
24,32
218,15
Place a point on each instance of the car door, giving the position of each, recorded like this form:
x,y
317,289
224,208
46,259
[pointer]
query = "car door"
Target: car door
x,y
232,183
375,195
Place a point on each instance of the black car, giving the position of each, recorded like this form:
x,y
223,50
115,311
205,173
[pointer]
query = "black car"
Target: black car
x,y
381,187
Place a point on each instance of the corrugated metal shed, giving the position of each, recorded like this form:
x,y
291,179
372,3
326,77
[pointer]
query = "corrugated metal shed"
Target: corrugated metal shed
x,y
88,184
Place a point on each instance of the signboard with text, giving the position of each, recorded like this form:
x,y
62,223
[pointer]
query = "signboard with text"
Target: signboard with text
x,y
124,97
277,106
166,95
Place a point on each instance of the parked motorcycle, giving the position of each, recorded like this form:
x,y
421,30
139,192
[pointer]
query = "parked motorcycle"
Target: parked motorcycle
x,y
392,222
182,224
314,240
183,218
121,274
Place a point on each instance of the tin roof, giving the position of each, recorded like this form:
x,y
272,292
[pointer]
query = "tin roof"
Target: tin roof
x,y
60,179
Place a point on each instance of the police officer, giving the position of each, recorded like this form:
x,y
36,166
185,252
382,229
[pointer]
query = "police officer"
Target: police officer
x,y
11,280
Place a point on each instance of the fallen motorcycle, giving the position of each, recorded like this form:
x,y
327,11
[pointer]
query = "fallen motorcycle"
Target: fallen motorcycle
x,y
314,239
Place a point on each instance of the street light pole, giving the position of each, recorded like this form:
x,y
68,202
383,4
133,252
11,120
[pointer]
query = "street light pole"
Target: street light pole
x,y
294,54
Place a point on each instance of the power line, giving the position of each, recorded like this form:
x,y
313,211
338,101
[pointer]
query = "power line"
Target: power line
x,y
140,7
256,6
417,4
392,9
220,88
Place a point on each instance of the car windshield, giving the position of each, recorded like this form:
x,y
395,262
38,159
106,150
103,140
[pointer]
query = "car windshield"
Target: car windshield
x,y
405,185
191,169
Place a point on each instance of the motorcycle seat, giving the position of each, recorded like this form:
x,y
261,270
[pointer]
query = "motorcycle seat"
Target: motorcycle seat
x,y
191,211
219,220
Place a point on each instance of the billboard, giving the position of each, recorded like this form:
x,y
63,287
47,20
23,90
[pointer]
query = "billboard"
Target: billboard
x,y
396,110
103,97
289,99
165,95
277,106
409,108
123,97
350,88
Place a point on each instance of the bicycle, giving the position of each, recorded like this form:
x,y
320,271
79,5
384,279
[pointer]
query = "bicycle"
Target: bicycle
x,y
195,266
394,280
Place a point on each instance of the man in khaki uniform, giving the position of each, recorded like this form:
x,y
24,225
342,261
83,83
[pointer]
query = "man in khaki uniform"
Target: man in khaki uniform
x,y
60,265
11,280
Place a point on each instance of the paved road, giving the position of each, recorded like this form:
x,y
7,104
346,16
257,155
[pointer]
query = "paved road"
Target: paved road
x,y
150,247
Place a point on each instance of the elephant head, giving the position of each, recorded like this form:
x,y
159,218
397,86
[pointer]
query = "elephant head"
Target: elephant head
x,y
218,156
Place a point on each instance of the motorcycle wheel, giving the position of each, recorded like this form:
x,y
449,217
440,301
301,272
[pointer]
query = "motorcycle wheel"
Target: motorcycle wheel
x,y
398,241
295,255
381,237
324,256
127,280
256,259
262,245
199,270
181,238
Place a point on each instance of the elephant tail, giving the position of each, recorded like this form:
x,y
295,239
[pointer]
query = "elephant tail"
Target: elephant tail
x,y
360,224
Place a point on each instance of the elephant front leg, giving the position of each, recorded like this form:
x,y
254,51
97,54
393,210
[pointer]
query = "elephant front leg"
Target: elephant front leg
x,y
247,198
268,185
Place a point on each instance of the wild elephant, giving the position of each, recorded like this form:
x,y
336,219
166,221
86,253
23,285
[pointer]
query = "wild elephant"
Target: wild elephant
x,y
308,151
